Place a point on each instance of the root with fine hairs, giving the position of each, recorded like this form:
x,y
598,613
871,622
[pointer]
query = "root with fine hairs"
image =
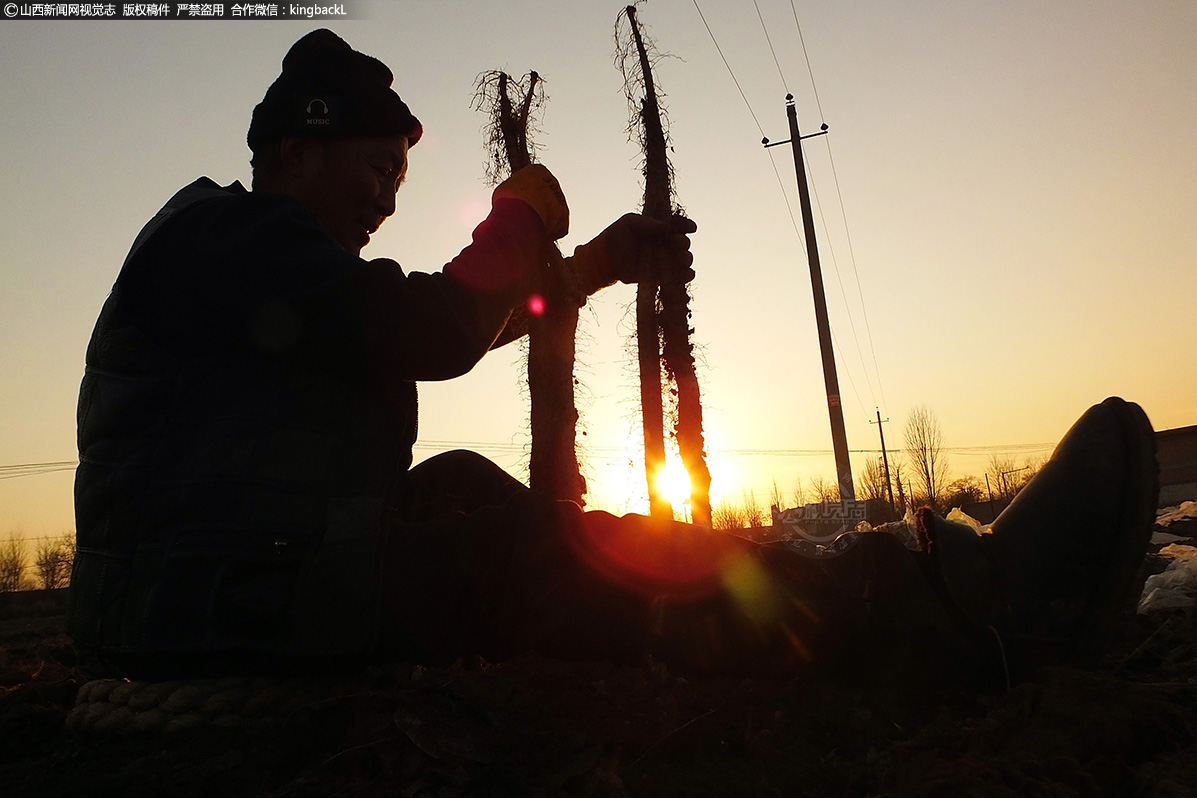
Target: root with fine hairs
x,y
662,299
553,466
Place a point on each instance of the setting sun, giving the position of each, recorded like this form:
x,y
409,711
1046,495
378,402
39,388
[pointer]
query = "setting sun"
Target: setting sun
x,y
674,482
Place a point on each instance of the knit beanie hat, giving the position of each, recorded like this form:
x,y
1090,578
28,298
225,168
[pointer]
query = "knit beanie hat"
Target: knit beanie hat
x,y
327,89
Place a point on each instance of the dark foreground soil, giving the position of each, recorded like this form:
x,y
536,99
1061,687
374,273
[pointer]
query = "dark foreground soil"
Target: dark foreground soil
x,y
541,727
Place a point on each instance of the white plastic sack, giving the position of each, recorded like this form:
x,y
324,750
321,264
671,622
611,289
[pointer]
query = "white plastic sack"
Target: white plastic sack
x,y
1176,587
961,517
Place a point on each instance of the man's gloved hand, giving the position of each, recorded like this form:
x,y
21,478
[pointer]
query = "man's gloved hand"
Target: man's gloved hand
x,y
630,248
536,186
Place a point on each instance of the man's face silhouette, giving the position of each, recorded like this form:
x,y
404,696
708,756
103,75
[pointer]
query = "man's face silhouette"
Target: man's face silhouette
x,y
349,184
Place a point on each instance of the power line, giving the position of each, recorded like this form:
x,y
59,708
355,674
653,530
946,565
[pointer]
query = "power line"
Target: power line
x,y
819,204
961,450
765,28
835,264
844,294
33,469
855,273
626,450
729,69
847,233
805,55
831,245
18,538
839,354
39,465
13,471
780,184
515,447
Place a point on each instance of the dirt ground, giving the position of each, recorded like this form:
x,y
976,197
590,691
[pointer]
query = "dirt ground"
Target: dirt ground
x,y
535,726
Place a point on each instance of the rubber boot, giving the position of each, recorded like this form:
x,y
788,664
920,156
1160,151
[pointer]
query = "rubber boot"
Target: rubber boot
x,y
1060,565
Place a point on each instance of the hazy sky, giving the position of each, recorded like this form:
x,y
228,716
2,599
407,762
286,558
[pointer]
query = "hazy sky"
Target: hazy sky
x,y
1014,205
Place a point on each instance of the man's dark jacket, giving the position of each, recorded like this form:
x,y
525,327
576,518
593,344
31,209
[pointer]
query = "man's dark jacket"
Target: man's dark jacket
x,y
248,401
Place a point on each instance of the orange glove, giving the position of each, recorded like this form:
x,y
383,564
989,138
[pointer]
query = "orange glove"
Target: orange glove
x,y
536,186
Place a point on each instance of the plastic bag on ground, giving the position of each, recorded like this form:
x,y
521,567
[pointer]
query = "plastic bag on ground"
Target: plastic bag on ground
x,y
1176,587
961,517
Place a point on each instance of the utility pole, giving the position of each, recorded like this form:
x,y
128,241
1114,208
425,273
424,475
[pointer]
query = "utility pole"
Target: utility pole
x,y
839,437
992,517
884,457
1005,487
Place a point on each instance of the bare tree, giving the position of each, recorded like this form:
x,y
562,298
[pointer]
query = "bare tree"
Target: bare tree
x,y
754,515
775,497
1006,479
799,492
924,450
12,565
872,480
1000,471
1033,465
825,490
53,562
727,516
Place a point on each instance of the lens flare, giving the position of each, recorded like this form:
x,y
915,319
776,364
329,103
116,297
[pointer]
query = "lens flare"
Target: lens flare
x,y
652,556
536,305
753,590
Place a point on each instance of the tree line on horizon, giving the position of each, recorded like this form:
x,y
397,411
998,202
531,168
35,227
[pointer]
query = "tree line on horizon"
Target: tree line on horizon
x,y
48,568
918,477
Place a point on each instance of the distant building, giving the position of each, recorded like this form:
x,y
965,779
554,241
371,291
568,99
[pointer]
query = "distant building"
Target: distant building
x,y
1176,450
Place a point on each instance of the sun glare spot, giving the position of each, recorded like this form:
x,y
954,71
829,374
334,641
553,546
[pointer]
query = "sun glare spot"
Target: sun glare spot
x,y
536,305
674,483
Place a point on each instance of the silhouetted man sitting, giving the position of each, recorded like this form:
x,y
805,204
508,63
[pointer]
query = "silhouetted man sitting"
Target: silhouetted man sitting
x,y
246,503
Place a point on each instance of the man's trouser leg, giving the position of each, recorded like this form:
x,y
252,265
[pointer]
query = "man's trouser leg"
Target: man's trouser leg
x,y
534,574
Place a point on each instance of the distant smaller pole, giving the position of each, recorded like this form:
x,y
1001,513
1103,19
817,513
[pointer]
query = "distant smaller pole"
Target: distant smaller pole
x,y
889,489
989,490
